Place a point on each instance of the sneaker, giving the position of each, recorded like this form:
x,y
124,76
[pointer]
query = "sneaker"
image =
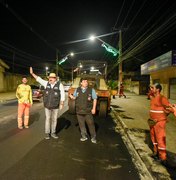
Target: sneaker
x,y
47,136
53,135
20,127
93,140
83,139
26,127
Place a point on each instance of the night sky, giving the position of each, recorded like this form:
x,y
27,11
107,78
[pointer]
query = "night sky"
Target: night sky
x,y
32,31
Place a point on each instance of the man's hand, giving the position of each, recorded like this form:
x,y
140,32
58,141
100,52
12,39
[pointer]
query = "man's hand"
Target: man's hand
x,y
71,96
31,70
174,108
61,106
32,73
93,111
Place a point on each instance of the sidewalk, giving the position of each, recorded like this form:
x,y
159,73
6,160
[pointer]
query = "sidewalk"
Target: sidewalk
x,y
6,96
133,112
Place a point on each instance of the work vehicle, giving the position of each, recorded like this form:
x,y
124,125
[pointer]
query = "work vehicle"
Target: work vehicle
x,y
95,73
66,86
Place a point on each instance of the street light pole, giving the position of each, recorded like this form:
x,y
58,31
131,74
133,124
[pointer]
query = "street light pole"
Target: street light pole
x,y
57,62
46,68
120,57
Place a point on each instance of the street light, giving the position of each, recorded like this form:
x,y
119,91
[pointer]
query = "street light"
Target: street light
x,y
46,68
65,58
114,51
108,47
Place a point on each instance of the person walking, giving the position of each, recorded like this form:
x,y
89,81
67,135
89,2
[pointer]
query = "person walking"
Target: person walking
x,y
85,102
54,97
121,91
159,107
24,96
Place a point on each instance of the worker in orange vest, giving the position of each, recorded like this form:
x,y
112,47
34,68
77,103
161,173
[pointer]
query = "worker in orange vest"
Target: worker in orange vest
x,y
159,107
121,90
24,96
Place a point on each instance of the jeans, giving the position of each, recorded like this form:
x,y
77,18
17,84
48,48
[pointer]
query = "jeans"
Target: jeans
x,y
51,120
87,118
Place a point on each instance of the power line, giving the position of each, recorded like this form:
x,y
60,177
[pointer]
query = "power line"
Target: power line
x,y
27,25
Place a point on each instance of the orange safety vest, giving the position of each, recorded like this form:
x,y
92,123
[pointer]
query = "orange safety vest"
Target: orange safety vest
x,y
158,106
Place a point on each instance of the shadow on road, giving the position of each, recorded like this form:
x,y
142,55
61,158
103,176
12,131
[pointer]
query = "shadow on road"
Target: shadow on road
x,y
12,127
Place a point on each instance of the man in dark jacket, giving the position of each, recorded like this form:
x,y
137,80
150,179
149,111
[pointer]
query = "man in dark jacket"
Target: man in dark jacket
x,y
85,101
54,96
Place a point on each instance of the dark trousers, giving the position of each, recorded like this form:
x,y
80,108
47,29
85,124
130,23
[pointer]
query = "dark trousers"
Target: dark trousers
x,y
82,120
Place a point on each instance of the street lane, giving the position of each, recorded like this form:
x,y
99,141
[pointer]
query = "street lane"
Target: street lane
x,y
29,156
25,154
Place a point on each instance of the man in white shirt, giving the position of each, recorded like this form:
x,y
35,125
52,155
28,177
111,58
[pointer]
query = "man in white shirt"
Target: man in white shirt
x,y
54,97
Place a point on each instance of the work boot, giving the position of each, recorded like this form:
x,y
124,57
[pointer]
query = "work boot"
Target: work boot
x,y
155,156
163,162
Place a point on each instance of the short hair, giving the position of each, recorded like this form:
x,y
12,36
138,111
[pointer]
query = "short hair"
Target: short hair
x,y
24,76
158,86
82,79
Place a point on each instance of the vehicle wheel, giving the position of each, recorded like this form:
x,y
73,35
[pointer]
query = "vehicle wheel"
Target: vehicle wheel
x,y
103,108
71,105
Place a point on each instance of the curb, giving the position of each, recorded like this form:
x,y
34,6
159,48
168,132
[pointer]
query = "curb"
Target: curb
x,y
148,168
7,100
138,162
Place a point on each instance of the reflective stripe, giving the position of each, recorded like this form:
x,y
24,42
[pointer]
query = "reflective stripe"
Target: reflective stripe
x,y
154,111
155,143
161,148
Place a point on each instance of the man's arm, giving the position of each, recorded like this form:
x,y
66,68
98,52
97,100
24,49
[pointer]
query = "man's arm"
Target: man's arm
x,y
62,92
32,73
17,92
30,96
94,97
38,79
94,105
74,95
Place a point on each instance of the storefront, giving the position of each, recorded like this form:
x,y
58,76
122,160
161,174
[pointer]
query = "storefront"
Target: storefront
x,y
163,70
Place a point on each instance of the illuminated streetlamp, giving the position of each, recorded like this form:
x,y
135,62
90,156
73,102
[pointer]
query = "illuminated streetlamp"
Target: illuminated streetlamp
x,y
65,58
108,47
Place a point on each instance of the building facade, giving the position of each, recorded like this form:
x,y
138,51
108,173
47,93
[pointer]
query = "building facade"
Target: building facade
x,y
3,66
163,70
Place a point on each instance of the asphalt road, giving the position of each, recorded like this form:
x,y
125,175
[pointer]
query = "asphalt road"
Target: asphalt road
x,y
25,154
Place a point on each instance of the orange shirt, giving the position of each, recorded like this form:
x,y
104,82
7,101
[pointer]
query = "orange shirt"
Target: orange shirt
x,y
157,107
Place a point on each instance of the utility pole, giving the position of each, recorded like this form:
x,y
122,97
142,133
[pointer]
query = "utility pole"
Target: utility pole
x,y
120,57
13,62
57,61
